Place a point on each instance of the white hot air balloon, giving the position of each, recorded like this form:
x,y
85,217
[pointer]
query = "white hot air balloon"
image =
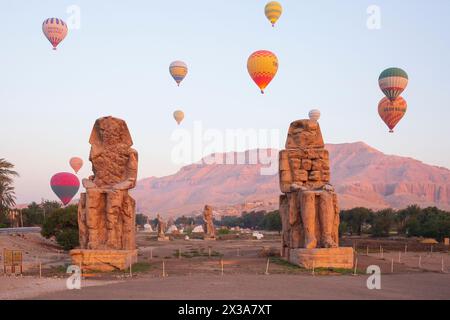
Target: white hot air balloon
x,y
314,115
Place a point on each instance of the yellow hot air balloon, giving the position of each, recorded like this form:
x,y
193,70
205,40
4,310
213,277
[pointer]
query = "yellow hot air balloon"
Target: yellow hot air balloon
x,y
273,11
262,66
178,70
178,115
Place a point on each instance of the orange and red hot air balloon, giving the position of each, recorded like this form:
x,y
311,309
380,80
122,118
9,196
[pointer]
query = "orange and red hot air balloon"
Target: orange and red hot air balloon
x,y
392,111
55,30
262,66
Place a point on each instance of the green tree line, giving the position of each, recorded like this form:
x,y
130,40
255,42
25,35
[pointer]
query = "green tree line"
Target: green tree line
x,y
412,221
261,220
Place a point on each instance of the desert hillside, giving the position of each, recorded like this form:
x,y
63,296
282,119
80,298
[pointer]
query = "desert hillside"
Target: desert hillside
x,y
362,175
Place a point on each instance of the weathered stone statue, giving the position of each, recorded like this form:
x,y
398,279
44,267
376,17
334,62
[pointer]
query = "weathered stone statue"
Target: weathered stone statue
x,y
208,227
309,207
106,212
162,227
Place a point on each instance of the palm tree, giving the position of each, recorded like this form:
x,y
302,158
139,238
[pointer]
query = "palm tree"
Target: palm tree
x,y
7,195
6,171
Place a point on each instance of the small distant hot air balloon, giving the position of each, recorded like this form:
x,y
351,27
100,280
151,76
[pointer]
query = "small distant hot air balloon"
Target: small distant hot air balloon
x,y
65,185
262,66
273,11
76,163
178,115
393,82
314,115
178,70
392,111
55,30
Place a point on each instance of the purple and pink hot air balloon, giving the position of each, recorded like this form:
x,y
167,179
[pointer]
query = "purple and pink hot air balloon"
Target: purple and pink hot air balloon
x,y
65,185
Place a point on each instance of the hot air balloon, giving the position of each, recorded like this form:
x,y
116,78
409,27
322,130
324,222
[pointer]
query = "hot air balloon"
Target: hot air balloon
x,y
314,115
55,30
76,163
65,185
178,115
262,66
392,111
273,11
393,82
178,70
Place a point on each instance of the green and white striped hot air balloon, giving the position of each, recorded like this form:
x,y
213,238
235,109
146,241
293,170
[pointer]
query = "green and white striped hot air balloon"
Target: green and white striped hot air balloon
x,y
393,82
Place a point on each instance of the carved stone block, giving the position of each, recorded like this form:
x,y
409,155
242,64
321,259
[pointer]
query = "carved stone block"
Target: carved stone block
x,y
301,176
317,165
314,176
326,175
306,164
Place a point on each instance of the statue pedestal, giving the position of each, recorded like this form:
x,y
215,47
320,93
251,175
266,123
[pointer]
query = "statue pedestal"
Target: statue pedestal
x,y
163,238
103,260
323,258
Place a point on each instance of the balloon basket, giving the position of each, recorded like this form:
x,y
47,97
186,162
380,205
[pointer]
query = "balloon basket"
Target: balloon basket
x,y
54,48
391,131
262,91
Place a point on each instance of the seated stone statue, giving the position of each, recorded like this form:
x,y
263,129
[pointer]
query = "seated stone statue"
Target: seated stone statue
x,y
106,212
308,207
210,231
161,227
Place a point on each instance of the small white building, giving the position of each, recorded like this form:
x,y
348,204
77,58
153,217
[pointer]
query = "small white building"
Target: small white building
x,y
257,235
198,229
172,229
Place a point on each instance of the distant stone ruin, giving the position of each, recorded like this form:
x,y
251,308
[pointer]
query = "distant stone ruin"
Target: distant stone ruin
x,y
210,231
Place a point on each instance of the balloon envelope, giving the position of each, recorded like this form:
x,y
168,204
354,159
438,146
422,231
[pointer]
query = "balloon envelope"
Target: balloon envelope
x,y
314,115
393,82
65,185
178,115
262,66
178,70
55,30
273,11
391,112
76,163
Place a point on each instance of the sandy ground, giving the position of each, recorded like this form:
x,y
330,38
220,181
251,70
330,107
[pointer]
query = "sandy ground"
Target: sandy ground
x,y
28,287
194,271
36,249
271,287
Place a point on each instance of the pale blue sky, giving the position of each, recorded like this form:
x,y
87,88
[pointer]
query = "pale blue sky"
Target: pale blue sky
x,y
117,64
